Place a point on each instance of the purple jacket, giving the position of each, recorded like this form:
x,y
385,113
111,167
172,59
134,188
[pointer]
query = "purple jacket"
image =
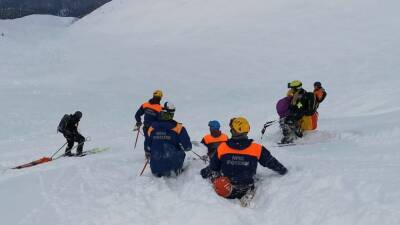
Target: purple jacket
x,y
282,107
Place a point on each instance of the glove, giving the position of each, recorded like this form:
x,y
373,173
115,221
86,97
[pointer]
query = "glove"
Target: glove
x,y
206,173
283,171
298,132
137,126
214,175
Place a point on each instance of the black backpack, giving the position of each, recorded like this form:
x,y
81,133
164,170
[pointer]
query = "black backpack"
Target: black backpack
x,y
310,103
63,123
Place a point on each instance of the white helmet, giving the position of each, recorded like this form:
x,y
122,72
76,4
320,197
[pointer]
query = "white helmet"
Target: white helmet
x,y
169,107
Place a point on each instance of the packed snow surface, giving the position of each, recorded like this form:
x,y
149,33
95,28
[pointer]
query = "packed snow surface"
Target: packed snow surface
x,y
215,60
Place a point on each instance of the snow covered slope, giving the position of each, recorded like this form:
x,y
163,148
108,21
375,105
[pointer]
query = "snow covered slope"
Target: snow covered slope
x,y
214,60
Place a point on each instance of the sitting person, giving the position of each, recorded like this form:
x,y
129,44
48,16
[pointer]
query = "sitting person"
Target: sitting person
x,y
235,162
212,141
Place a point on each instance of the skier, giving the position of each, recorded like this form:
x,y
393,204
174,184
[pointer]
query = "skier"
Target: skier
x,y
68,126
235,162
291,112
166,143
212,141
150,110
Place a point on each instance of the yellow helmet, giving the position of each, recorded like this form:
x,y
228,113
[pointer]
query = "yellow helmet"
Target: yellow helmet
x,y
157,93
240,125
295,84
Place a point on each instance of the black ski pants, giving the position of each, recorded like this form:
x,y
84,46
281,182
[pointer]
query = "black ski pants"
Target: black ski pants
x,y
71,139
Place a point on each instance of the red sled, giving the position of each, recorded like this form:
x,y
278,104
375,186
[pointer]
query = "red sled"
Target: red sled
x,y
34,163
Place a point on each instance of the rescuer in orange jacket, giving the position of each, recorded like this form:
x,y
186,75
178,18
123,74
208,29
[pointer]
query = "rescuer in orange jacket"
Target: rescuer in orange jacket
x,y
212,141
319,93
235,162
151,111
214,138
167,143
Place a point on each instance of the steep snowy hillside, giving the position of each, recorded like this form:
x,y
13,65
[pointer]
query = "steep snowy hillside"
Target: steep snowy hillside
x,y
214,60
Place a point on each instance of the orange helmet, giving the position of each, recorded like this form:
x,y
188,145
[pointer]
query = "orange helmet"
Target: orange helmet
x,y
223,186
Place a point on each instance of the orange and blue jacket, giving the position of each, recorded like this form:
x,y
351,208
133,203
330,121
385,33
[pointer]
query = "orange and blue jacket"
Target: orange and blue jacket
x,y
237,159
151,110
212,142
167,142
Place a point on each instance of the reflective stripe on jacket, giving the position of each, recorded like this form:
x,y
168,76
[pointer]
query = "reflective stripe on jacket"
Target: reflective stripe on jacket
x,y
253,150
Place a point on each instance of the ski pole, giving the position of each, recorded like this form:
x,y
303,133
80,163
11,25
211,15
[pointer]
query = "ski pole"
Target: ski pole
x,y
58,150
137,136
205,161
196,154
87,139
144,167
267,124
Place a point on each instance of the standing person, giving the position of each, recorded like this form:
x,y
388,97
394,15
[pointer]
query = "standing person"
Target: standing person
x,y
298,102
285,121
151,111
68,126
319,92
312,99
166,143
212,141
290,122
235,162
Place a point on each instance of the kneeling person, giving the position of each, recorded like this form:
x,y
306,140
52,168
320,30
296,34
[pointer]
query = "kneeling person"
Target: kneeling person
x,y
166,143
235,162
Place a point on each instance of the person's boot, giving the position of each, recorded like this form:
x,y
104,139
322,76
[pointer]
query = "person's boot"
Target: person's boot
x,y
299,133
68,153
246,199
284,140
287,139
79,150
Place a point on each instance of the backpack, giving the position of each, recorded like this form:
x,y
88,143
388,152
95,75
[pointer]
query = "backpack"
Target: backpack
x,y
310,103
63,123
282,107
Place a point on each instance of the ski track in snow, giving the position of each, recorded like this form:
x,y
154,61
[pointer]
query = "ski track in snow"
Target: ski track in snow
x,y
214,60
